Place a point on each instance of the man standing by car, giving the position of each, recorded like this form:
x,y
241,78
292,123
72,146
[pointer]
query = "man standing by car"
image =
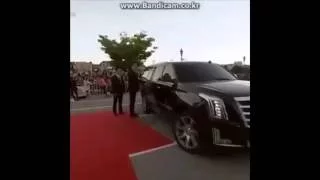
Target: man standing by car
x,y
133,87
118,88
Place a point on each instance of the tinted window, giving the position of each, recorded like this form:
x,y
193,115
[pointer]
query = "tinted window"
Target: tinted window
x,y
151,71
146,74
158,73
168,74
201,72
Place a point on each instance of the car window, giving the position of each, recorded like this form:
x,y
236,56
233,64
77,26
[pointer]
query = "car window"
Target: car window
x,y
148,73
151,73
168,74
158,73
201,72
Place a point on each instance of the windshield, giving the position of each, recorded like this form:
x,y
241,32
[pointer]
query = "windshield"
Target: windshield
x,y
201,72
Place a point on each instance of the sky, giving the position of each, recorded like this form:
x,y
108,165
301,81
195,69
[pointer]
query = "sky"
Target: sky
x,y
219,31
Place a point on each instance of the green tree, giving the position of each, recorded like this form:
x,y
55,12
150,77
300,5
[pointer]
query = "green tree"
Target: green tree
x,y
129,50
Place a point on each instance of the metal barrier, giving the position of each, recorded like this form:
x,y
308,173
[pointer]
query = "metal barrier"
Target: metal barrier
x,y
95,89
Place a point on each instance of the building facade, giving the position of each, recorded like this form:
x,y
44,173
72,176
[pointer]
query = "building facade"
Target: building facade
x,y
81,67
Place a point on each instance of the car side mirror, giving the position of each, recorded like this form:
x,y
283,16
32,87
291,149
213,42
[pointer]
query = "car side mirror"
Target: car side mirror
x,y
174,84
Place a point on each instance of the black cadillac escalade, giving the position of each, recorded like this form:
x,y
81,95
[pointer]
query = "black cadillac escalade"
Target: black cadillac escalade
x,y
211,105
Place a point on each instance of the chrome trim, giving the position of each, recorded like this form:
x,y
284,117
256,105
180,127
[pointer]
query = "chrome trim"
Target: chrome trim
x,y
241,107
217,139
229,145
242,98
216,135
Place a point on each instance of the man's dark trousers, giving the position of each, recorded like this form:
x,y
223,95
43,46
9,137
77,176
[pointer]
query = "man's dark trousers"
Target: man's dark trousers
x,y
134,84
133,95
117,99
117,90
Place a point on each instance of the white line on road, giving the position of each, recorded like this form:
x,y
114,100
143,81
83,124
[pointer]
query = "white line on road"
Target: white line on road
x,y
97,107
152,150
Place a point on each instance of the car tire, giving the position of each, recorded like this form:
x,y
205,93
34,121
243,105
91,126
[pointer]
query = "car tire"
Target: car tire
x,y
146,107
189,131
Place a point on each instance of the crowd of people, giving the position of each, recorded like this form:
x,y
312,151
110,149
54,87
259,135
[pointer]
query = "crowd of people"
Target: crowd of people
x,y
97,84
115,83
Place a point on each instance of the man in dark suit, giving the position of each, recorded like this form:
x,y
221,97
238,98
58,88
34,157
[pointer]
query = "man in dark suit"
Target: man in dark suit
x,y
133,87
118,88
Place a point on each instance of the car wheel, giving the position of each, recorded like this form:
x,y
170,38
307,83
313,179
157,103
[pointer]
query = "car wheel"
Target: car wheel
x,y
146,105
186,133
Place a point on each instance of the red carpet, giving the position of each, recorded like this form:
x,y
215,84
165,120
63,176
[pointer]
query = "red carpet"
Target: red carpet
x,y
100,145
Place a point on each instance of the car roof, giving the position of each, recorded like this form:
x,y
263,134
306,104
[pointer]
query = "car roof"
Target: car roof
x,y
185,62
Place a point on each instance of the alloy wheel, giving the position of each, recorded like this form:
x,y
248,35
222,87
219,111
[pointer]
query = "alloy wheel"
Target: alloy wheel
x,y
186,132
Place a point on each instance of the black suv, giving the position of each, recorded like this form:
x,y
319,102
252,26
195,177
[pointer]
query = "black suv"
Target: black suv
x,y
211,105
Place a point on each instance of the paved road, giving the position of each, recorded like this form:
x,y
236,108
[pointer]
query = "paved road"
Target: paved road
x,y
172,163
98,103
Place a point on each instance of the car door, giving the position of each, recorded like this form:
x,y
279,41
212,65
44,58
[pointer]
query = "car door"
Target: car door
x,y
146,82
168,80
156,86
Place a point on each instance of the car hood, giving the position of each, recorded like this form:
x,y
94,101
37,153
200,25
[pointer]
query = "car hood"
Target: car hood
x,y
233,88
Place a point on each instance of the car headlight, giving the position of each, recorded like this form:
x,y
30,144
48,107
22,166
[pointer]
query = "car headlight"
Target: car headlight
x,y
216,106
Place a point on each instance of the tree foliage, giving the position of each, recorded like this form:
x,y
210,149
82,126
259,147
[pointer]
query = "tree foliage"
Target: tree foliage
x,y
240,69
129,50
236,69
